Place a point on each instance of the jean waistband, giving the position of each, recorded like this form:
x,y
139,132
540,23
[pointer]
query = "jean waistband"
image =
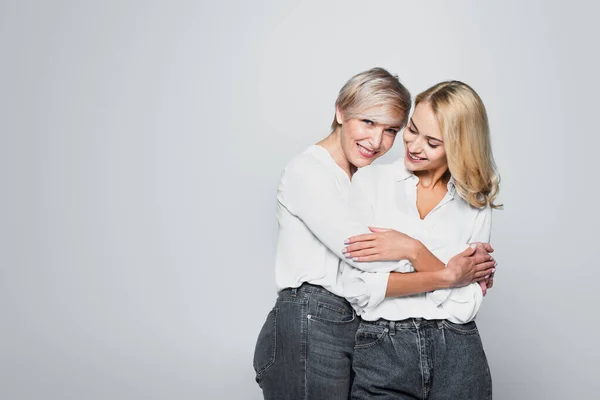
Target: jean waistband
x,y
409,323
307,288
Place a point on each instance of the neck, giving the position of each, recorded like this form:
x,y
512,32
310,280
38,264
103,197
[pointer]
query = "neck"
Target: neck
x,y
333,144
432,179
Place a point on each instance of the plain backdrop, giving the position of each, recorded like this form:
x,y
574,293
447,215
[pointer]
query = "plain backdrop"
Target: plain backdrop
x,y
141,143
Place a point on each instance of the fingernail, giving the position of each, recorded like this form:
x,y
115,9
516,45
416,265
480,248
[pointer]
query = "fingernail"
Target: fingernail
x,y
493,270
344,251
355,258
473,245
487,276
347,255
346,241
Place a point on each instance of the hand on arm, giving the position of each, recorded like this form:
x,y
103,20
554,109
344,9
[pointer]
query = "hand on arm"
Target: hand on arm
x,y
474,264
469,266
388,244
368,289
455,288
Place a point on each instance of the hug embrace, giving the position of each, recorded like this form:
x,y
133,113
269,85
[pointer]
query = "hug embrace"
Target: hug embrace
x,y
381,269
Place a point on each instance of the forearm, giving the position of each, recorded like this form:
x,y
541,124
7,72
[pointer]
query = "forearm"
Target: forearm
x,y
424,260
406,284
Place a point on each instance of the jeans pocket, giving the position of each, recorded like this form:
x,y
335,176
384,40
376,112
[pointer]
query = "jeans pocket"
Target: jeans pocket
x,y
470,328
264,353
332,310
368,335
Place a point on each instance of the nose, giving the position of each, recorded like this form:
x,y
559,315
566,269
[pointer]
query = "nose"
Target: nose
x,y
415,146
376,139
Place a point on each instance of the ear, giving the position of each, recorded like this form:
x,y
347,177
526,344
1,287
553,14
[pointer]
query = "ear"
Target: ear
x,y
339,117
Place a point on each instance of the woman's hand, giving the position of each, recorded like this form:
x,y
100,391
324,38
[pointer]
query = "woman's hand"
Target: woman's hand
x,y
381,245
483,285
472,265
483,249
487,283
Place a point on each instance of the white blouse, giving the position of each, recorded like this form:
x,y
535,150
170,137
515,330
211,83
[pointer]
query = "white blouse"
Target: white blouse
x,y
315,217
385,196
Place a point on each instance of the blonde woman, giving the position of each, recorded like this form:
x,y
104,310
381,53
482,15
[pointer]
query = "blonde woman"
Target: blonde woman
x,y
304,350
442,193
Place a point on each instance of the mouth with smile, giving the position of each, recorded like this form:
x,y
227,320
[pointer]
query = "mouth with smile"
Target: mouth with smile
x,y
367,153
414,158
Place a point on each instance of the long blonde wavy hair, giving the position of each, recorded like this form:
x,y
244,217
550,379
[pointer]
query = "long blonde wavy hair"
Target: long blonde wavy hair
x,y
466,134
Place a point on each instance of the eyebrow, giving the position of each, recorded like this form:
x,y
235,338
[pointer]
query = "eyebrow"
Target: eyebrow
x,y
428,137
375,120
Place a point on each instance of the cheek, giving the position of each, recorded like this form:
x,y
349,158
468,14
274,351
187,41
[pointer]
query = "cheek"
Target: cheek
x,y
359,133
438,155
388,142
348,135
351,133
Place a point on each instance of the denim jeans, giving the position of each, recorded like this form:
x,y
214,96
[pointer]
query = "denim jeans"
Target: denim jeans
x,y
420,359
304,350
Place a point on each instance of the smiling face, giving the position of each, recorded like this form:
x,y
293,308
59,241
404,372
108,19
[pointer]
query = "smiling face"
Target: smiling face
x,y
423,141
369,135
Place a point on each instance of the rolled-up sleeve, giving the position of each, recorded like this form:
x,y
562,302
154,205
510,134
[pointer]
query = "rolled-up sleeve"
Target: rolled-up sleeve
x,y
367,289
364,289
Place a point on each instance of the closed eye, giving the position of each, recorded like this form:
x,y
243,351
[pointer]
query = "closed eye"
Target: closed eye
x,y
411,130
392,131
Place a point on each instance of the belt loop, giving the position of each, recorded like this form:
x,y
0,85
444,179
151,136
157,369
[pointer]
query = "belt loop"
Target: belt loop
x,y
392,328
294,291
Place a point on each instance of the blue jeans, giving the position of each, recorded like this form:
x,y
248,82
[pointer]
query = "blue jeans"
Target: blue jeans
x,y
420,359
304,350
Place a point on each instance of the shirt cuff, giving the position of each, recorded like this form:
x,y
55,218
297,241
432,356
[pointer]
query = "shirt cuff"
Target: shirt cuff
x,y
439,296
366,290
404,266
377,286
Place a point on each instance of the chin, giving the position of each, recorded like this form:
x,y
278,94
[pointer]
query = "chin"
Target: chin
x,y
412,167
360,162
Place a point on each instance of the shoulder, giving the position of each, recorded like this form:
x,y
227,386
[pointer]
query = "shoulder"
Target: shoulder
x,y
305,168
478,213
305,160
485,210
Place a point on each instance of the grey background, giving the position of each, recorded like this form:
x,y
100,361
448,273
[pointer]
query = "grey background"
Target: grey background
x,y
141,144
